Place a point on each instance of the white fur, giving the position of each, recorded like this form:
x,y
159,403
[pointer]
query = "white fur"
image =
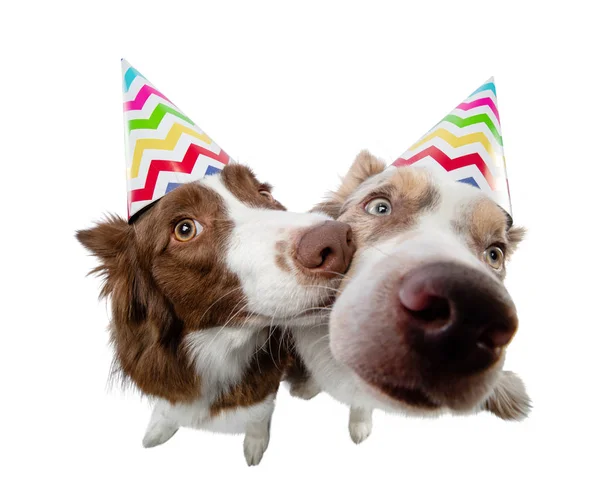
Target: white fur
x,y
360,423
510,400
432,239
256,440
221,355
333,376
197,415
253,421
270,290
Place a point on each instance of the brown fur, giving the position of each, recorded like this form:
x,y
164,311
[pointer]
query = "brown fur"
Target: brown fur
x,y
486,224
409,194
162,289
281,260
365,166
243,184
145,330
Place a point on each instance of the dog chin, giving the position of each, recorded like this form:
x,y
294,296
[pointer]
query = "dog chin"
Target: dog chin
x,y
465,396
310,310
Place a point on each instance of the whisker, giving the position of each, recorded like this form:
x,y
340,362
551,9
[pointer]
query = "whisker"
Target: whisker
x,y
269,338
370,246
316,286
218,299
271,331
230,319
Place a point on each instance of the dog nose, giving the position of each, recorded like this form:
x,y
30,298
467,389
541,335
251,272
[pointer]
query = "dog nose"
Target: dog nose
x,y
326,249
458,317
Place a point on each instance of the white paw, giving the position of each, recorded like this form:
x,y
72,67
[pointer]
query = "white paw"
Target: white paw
x,y
359,431
158,434
510,400
254,448
305,390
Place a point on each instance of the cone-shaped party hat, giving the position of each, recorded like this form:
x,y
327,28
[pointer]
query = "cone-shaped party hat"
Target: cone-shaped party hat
x,y
164,148
467,146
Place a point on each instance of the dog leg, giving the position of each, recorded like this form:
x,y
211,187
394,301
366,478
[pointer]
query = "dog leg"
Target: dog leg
x,y
256,440
160,428
305,389
302,384
509,400
360,423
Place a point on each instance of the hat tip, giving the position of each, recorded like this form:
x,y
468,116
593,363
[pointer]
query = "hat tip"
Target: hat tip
x,y
125,66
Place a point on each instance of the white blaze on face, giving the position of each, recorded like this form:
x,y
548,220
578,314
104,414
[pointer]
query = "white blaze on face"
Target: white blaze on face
x,y
428,225
270,290
434,237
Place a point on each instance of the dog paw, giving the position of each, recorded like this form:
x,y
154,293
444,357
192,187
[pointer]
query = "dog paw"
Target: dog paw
x,y
359,431
360,423
254,448
158,434
306,389
509,400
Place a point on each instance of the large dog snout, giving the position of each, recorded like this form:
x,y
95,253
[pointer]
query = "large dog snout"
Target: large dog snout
x,y
326,249
456,316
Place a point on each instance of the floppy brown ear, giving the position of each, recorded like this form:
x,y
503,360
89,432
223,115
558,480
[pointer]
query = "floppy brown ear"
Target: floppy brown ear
x,y
112,242
365,166
107,240
145,331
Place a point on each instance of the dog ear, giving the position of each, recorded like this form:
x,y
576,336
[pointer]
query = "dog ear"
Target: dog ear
x,y
145,330
514,235
112,242
107,240
365,166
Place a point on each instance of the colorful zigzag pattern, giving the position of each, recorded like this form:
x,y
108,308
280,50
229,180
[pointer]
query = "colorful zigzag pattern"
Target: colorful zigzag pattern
x,y
164,147
467,144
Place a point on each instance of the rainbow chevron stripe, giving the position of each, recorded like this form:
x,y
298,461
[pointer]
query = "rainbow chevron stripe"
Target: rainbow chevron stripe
x,y
467,144
164,148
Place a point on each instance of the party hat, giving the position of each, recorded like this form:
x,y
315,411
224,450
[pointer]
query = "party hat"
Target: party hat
x,y
467,145
164,148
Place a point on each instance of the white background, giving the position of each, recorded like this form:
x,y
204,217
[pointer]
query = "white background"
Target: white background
x,y
295,91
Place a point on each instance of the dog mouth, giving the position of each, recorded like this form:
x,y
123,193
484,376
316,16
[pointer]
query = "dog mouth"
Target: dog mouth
x,y
411,396
460,396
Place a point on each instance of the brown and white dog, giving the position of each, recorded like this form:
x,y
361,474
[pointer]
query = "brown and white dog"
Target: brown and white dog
x,y
423,318
197,285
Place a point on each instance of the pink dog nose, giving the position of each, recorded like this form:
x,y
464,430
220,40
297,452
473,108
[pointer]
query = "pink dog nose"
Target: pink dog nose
x,y
326,249
458,316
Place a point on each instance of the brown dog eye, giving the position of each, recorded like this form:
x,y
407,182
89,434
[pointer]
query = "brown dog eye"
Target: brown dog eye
x,y
266,194
187,229
379,206
494,257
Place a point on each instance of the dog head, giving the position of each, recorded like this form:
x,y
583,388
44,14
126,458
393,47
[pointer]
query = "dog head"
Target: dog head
x,y
217,252
423,318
